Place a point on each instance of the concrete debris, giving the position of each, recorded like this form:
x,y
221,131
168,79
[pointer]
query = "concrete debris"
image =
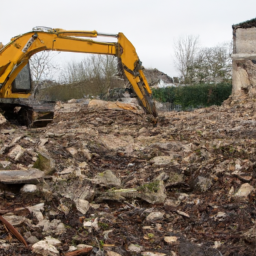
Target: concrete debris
x,y
154,216
110,253
28,188
100,104
15,220
45,248
82,205
106,178
171,239
244,190
20,177
162,160
135,248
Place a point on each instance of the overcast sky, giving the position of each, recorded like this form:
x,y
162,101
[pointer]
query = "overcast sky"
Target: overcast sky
x,y
151,25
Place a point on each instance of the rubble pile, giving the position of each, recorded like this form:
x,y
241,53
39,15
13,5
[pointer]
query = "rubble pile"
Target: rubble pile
x,y
103,181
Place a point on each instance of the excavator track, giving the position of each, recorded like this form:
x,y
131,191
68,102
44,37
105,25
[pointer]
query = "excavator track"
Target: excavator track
x,y
28,112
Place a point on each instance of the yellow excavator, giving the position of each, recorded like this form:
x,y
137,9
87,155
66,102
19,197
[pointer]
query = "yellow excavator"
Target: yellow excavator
x,y
15,77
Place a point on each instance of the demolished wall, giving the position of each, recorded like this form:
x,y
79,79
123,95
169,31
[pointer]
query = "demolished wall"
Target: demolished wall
x,y
244,58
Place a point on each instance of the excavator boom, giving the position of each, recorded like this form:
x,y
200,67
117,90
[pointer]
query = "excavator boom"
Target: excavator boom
x,y
16,54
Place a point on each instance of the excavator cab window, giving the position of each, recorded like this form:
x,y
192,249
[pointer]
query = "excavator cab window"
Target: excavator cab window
x,y
22,82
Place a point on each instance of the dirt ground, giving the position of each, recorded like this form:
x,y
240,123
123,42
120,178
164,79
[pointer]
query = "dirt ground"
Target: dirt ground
x,y
116,183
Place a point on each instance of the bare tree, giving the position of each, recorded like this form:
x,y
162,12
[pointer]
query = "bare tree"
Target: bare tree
x,y
99,70
42,66
185,52
211,65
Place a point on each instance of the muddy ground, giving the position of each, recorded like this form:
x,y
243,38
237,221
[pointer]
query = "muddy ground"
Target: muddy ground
x,y
117,185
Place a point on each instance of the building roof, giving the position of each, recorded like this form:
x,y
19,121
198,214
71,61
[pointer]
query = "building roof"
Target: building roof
x,y
246,24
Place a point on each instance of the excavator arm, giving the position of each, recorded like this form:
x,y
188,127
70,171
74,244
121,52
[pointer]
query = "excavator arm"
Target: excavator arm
x,y
16,54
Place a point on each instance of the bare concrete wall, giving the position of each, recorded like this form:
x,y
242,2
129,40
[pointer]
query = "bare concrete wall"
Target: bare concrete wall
x,y
245,40
244,60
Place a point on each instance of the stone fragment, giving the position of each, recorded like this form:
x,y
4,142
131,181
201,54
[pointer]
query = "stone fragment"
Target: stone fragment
x,y
20,176
220,216
242,176
60,229
68,170
16,152
111,253
152,254
175,178
217,244
64,208
161,160
14,220
171,239
250,235
171,203
162,176
91,224
83,165
100,104
7,131
43,141
244,190
49,227
36,210
135,248
2,119
45,163
72,248
75,189
82,246
52,241
44,248
87,154
154,216
32,240
183,214
143,130
202,184
82,205
72,151
28,188
4,164
108,179
106,232
153,193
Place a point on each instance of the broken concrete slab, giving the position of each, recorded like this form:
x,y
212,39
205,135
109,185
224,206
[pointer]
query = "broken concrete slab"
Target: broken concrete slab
x,y
20,176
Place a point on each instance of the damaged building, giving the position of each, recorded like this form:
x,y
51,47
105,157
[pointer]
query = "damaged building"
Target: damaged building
x,y
244,58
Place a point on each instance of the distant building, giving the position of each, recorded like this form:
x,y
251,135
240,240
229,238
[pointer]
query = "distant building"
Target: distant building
x,y
158,79
244,58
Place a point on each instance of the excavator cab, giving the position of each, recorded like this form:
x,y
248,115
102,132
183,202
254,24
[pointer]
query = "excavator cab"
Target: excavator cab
x,y
23,82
